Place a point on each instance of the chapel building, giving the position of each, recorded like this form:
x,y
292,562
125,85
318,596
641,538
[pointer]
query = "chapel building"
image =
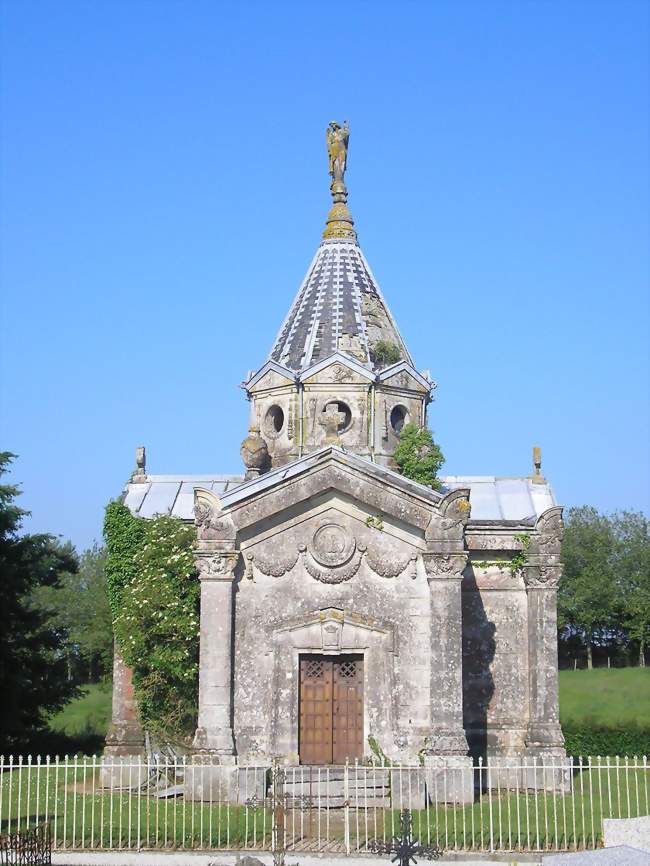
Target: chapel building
x,y
345,609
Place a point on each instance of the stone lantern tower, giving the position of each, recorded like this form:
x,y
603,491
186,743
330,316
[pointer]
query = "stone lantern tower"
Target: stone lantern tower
x,y
339,371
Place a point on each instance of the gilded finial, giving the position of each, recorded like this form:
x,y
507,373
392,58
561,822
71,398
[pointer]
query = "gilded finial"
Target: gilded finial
x,y
537,463
339,220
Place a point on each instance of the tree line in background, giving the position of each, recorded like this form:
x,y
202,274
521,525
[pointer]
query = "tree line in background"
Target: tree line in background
x,y
56,625
57,622
604,594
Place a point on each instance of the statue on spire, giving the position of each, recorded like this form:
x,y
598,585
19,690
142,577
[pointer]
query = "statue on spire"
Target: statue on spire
x,y
339,220
337,149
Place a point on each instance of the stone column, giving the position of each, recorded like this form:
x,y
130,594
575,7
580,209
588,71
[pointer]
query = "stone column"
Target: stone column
x,y
544,732
544,740
214,730
542,575
444,575
448,768
215,774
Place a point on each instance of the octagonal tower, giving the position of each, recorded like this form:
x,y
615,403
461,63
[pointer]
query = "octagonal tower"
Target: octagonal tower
x,y
339,370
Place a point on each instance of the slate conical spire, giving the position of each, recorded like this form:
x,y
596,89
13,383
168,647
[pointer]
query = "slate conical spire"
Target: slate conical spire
x,y
339,306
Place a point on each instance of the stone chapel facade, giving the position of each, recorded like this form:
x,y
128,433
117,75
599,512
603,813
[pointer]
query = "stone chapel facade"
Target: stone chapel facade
x,y
344,606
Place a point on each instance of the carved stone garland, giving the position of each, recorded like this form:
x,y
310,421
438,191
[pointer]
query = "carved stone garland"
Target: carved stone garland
x,y
276,568
391,568
332,556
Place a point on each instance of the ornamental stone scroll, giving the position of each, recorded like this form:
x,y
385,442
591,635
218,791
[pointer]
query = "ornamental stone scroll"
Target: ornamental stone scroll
x,y
448,521
211,522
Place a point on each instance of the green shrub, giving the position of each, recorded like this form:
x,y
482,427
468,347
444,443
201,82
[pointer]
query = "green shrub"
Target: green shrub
x,y
418,457
384,353
633,740
155,594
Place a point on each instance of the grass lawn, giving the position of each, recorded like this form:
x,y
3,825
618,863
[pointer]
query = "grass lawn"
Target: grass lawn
x,y
89,714
605,698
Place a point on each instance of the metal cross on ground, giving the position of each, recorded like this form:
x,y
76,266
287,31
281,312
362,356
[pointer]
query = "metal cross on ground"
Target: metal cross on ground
x,y
404,846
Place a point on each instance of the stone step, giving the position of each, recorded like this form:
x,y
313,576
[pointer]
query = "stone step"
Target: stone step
x,y
337,801
323,789
302,774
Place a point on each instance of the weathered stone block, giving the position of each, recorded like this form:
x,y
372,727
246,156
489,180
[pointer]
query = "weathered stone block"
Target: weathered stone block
x,y
123,772
627,831
449,779
213,782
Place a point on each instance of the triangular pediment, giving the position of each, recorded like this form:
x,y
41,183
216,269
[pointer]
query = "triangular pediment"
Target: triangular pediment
x,y
337,368
270,375
403,375
374,489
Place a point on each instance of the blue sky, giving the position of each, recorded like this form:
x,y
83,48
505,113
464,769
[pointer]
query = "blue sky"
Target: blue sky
x,y
164,187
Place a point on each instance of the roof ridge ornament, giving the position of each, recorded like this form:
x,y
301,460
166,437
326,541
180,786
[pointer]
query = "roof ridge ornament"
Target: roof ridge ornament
x,y
340,224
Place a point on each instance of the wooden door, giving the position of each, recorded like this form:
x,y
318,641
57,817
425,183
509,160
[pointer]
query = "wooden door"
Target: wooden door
x,y
315,710
347,712
331,709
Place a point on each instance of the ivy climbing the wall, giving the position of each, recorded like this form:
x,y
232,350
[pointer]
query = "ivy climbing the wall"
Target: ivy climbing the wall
x,y
418,457
154,594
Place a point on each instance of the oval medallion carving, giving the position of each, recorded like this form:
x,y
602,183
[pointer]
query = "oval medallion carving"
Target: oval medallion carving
x,y
332,545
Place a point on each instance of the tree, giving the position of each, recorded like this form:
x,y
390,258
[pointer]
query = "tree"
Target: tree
x,y
78,610
631,531
33,676
417,455
587,597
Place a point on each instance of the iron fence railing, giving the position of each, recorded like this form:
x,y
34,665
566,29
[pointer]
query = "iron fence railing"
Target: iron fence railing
x,y
103,803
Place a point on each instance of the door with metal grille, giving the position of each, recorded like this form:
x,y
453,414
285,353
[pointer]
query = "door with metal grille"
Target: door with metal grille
x,y
331,709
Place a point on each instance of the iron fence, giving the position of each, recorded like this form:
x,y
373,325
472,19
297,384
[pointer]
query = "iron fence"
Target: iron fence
x,y
103,803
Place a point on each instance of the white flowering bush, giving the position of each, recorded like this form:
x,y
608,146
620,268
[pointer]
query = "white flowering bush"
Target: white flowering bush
x,y
157,624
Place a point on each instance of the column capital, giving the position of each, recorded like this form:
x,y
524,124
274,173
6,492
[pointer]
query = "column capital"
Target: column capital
x,y
542,576
444,566
216,565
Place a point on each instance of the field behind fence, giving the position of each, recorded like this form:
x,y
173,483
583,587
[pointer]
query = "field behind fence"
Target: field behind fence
x,y
323,809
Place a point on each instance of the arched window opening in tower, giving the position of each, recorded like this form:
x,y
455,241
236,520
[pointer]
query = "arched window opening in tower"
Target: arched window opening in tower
x,y
274,420
345,414
398,418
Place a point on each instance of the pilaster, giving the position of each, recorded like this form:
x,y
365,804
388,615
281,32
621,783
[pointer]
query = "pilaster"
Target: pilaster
x,y
444,562
216,560
542,575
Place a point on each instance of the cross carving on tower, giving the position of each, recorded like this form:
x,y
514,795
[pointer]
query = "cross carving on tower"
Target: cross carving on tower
x,y
331,420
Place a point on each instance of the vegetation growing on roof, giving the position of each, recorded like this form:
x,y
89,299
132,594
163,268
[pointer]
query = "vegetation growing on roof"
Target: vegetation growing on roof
x,y
384,353
418,457
155,596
